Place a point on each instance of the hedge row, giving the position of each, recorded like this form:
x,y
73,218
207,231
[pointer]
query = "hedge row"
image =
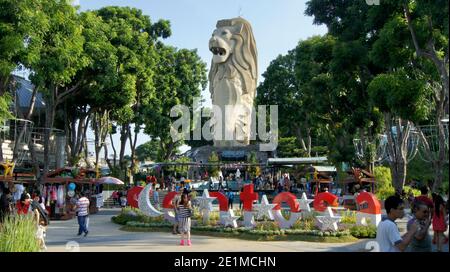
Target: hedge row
x,y
247,230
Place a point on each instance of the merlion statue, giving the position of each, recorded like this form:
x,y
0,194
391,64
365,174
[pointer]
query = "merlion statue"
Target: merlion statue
x,y
232,81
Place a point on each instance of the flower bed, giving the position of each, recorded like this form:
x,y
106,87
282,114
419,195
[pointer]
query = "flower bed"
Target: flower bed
x,y
248,233
303,230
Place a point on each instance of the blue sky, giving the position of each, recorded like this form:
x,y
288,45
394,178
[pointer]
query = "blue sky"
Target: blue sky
x,y
278,25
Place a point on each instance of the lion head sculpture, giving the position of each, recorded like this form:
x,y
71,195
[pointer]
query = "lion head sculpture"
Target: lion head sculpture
x,y
234,54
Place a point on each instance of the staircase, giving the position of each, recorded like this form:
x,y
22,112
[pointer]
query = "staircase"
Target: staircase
x,y
8,146
109,202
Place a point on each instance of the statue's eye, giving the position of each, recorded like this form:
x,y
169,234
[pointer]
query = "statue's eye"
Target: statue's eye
x,y
224,33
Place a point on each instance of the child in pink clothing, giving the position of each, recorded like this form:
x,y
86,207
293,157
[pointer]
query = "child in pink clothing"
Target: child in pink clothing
x,y
439,222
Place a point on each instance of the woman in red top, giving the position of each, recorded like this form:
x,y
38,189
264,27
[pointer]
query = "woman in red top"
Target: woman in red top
x,y
23,205
439,222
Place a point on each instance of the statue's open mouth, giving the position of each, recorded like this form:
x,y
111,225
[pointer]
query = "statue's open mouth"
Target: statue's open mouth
x,y
218,51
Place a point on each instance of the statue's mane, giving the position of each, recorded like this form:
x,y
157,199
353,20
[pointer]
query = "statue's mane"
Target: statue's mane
x,y
243,61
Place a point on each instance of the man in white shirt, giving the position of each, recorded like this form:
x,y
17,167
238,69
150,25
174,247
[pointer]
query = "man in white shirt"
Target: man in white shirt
x,y
388,235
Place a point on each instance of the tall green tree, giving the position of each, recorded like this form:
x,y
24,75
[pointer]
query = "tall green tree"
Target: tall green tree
x,y
180,76
148,151
22,24
280,87
60,57
381,39
402,101
135,37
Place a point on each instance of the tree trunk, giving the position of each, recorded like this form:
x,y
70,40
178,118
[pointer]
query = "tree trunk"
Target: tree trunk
x,y
49,120
86,154
77,136
168,150
100,125
436,157
114,149
108,161
398,151
133,146
25,127
123,141
308,135
306,146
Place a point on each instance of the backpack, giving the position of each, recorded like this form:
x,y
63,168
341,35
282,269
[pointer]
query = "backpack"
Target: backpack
x,y
42,213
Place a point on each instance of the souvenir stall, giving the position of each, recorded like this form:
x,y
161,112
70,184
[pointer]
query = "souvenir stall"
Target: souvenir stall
x,y
320,178
62,187
320,183
358,180
16,180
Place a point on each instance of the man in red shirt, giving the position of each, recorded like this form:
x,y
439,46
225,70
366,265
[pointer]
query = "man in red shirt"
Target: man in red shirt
x,y
424,197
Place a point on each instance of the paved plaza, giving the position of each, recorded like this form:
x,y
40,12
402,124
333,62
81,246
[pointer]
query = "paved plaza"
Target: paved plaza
x,y
105,236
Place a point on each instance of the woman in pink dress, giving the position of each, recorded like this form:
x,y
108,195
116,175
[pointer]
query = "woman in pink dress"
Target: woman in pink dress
x,y
439,222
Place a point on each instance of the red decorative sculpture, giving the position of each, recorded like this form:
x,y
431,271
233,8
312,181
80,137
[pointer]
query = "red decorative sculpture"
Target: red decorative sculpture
x,y
289,198
248,196
368,203
133,196
167,201
322,198
223,200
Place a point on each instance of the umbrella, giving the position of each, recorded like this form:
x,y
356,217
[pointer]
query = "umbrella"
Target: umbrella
x,y
110,180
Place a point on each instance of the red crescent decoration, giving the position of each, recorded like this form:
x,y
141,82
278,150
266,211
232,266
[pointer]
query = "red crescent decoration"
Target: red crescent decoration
x,y
327,197
223,200
167,202
287,197
368,203
133,195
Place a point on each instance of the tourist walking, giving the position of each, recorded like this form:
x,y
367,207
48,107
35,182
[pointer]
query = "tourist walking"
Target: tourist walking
x,y
439,222
82,207
156,197
230,195
422,215
184,219
388,235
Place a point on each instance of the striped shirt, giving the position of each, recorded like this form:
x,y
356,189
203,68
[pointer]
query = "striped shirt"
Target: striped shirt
x,y
82,206
184,212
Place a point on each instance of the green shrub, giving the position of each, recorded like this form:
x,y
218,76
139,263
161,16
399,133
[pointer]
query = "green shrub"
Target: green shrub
x,y
369,231
18,234
408,189
132,214
348,217
267,225
304,224
384,182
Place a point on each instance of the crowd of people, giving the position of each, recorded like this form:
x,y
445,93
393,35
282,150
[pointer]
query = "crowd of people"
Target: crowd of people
x,y
32,205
